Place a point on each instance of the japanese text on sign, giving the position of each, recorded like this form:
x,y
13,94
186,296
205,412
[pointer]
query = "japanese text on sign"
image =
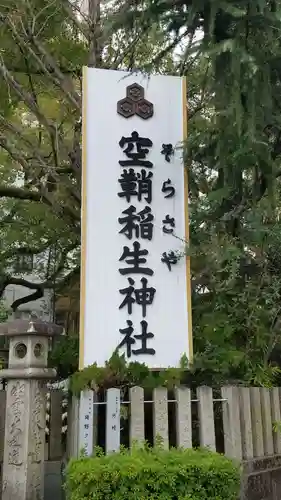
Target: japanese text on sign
x,y
139,225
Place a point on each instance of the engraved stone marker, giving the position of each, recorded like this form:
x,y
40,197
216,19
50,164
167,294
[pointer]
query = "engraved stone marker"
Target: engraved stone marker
x,y
86,422
26,375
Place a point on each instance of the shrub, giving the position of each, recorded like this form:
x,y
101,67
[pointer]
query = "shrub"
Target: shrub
x,y
154,474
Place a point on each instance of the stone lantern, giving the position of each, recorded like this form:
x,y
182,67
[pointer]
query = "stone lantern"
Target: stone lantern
x,y
26,376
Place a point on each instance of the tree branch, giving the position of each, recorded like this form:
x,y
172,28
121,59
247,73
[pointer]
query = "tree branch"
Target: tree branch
x,y
61,265
57,77
43,194
27,298
38,287
27,98
26,250
19,193
9,280
95,52
61,81
17,131
41,160
69,11
71,279
37,72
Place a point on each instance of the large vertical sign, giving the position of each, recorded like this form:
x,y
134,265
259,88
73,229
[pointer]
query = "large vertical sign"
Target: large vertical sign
x,y
135,286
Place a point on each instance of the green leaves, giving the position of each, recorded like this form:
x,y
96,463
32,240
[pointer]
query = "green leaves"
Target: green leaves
x,y
117,372
154,474
43,48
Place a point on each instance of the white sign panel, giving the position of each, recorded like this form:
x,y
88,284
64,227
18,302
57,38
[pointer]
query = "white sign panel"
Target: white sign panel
x,y
134,269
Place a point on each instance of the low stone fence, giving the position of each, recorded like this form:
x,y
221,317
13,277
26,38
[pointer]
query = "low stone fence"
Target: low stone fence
x,y
238,421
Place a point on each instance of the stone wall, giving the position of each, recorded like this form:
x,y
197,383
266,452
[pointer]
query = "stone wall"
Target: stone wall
x,y
262,479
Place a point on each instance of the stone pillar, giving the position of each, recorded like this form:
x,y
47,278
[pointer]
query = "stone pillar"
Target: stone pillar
x,y
26,375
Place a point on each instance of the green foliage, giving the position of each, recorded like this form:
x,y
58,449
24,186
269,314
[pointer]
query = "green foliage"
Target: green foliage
x,y
154,474
64,356
233,153
117,372
276,426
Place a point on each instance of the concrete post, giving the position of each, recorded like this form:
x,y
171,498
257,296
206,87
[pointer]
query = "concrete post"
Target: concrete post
x,y
26,375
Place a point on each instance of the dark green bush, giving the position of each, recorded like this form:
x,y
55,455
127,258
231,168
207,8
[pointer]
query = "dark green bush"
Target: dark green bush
x,y
155,475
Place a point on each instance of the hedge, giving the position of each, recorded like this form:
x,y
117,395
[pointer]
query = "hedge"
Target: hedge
x,y
154,474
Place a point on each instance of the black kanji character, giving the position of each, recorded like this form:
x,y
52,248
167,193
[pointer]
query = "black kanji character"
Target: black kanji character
x,y
144,337
168,151
128,300
137,258
170,259
136,151
129,222
127,341
168,221
167,188
129,184
139,224
146,226
143,296
136,184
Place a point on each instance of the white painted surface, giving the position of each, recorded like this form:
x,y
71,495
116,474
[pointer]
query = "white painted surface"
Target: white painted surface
x,y
167,317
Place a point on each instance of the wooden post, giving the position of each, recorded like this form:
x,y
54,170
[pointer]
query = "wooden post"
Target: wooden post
x,y
206,417
160,415
183,417
231,422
